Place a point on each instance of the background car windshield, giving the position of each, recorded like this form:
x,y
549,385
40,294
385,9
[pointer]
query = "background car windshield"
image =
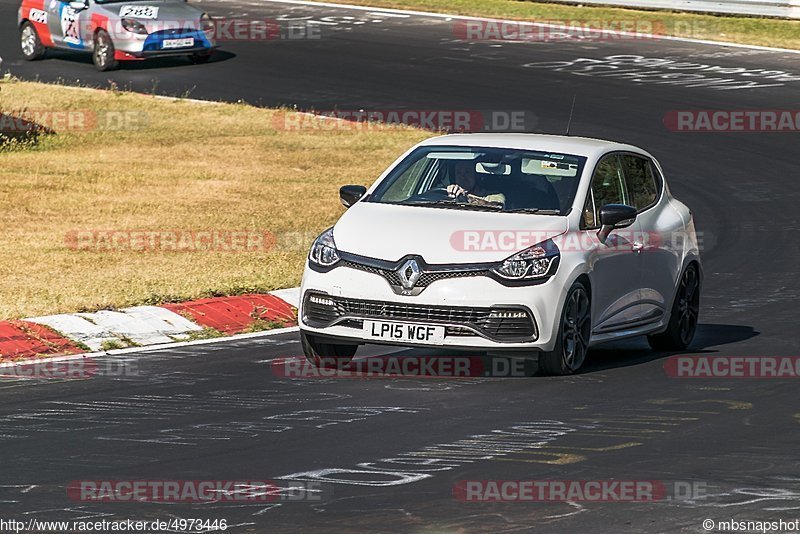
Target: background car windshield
x,y
117,1
511,179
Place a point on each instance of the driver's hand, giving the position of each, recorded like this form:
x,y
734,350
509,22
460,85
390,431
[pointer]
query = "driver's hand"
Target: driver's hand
x,y
455,190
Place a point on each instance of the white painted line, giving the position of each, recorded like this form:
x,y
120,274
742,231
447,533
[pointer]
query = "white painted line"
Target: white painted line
x,y
210,341
31,361
181,99
379,10
151,348
159,97
388,14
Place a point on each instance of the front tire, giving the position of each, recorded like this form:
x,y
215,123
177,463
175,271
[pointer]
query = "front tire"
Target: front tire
x,y
684,316
326,355
104,51
574,332
31,44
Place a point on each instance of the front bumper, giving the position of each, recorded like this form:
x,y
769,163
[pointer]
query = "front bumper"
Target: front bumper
x,y
464,306
152,45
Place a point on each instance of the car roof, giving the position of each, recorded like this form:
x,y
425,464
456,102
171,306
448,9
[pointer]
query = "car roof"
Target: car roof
x,y
579,146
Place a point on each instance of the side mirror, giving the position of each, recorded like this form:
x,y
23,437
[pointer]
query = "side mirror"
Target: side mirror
x,y
79,5
350,194
614,216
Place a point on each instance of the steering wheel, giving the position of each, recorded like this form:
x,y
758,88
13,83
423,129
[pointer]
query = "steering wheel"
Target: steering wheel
x,y
435,194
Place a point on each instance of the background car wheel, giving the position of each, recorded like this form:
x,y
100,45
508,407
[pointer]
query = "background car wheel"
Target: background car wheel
x,y
684,316
103,54
326,355
32,47
198,59
574,331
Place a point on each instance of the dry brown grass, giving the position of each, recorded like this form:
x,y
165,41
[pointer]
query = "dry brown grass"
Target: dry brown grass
x,y
193,167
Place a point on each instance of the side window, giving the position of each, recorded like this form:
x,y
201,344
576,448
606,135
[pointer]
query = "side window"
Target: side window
x,y
608,187
641,181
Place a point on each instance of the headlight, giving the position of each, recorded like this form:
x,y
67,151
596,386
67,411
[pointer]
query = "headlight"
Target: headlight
x,y
529,264
323,251
206,23
134,26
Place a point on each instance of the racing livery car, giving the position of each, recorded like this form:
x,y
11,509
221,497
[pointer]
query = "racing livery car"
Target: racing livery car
x,y
116,30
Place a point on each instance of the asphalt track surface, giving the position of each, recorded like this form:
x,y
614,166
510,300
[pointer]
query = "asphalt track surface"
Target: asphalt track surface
x,y
219,412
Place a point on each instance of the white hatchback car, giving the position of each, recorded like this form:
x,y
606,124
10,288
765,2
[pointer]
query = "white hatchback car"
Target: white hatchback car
x,y
534,244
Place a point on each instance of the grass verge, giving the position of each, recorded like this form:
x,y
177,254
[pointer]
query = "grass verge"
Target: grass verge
x,y
733,29
174,167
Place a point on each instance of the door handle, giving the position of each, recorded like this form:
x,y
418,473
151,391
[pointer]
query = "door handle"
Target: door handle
x,y
637,247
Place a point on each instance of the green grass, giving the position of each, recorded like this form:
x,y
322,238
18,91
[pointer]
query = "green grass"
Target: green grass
x,y
205,333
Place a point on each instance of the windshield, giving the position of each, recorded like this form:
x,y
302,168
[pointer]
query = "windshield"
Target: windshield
x,y
487,179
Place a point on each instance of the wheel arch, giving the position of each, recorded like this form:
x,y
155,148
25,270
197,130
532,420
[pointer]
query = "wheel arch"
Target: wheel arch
x,y
579,271
688,261
584,278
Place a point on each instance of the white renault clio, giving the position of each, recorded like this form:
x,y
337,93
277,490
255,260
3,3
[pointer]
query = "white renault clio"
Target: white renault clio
x,y
535,244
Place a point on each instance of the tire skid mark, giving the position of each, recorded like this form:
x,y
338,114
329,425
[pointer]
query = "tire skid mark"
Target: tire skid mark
x,y
540,442
75,416
730,404
236,430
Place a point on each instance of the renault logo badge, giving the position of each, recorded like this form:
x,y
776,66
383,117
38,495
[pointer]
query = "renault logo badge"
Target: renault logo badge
x,y
409,273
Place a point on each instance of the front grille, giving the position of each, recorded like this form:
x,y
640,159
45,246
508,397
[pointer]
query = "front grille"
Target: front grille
x,y
499,323
390,276
430,277
425,279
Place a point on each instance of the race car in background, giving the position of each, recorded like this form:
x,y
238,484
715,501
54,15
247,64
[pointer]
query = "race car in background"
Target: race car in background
x,y
116,30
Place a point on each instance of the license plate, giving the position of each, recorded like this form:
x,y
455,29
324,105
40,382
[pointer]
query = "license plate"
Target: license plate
x,y
404,332
178,43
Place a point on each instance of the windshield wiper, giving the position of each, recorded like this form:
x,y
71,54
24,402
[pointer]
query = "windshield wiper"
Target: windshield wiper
x,y
427,203
535,210
456,205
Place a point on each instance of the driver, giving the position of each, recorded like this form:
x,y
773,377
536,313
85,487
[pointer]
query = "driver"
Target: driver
x,y
467,183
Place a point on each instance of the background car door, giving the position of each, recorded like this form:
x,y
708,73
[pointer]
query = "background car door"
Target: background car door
x,y
66,23
662,232
615,264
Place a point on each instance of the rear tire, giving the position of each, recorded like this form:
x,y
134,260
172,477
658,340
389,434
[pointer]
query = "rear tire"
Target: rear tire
x,y
572,338
31,44
326,355
684,316
103,52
